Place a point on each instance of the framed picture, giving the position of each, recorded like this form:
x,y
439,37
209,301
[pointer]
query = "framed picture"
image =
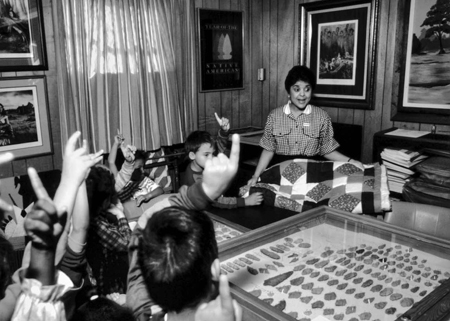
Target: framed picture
x,y
24,124
221,45
422,63
338,42
22,39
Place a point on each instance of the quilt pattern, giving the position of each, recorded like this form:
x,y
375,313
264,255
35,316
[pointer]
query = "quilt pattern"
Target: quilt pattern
x,y
302,184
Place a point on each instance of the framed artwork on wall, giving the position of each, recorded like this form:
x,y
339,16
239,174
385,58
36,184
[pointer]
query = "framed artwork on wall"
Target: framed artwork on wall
x,y
24,124
421,90
221,50
22,38
338,42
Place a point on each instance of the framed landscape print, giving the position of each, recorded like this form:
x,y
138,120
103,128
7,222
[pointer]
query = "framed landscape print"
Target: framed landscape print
x,y
221,45
22,39
422,62
24,124
338,42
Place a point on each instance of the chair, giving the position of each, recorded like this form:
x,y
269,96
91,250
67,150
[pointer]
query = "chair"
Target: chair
x,y
427,219
163,166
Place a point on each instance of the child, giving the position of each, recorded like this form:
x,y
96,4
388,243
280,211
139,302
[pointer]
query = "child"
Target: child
x,y
218,172
131,181
200,146
109,233
42,289
178,257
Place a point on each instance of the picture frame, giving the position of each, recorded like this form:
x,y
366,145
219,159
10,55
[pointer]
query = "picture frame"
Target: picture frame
x,y
338,42
24,123
420,76
220,50
22,45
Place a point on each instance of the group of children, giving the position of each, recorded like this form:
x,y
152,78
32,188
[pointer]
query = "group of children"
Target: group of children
x,y
169,260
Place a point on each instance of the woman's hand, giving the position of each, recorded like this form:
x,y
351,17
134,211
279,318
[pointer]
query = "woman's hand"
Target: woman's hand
x,y
252,181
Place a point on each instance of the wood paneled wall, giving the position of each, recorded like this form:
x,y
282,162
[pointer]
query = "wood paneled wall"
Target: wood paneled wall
x,y
271,42
54,161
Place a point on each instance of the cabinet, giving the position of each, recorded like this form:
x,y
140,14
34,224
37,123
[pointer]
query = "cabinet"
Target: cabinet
x,y
429,141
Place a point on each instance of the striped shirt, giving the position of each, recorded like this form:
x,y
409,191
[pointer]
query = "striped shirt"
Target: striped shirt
x,y
309,134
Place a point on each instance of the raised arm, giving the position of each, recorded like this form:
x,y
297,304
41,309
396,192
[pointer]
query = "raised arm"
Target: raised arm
x,y
118,141
76,165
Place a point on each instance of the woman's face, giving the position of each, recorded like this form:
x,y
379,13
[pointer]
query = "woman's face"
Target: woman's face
x,y
300,93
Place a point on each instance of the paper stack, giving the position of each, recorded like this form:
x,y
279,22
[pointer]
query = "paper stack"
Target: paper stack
x,y
399,163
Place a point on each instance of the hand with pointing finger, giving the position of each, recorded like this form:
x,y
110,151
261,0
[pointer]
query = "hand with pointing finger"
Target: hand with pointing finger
x,y
44,225
223,122
223,308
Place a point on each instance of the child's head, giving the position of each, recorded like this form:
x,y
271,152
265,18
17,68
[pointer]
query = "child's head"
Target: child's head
x,y
100,190
6,252
139,159
200,146
178,257
103,309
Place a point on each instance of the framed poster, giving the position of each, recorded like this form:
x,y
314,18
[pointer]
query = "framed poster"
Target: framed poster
x,y
338,42
221,45
422,62
22,39
24,124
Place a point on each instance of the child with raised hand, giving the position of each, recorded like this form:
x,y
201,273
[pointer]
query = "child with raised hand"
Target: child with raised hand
x,y
131,181
201,146
218,173
178,256
48,226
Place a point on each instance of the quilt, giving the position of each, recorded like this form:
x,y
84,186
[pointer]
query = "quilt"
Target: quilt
x,y
302,184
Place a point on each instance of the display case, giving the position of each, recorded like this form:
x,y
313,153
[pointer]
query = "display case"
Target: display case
x,y
326,264
224,229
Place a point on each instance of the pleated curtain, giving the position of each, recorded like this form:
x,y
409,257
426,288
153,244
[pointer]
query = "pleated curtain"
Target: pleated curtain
x,y
126,66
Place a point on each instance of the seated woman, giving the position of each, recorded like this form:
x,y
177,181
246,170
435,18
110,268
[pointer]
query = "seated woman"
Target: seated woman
x,y
298,129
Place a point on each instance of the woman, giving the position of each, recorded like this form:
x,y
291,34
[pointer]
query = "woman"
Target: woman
x,y
298,129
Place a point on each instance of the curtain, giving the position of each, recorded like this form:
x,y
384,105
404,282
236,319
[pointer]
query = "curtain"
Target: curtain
x,y
128,66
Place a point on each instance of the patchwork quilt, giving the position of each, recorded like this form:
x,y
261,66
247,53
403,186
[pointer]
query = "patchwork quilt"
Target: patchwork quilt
x,y
302,184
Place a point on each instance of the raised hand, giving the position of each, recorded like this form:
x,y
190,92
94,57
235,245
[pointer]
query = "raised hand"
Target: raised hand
x,y
224,123
44,224
5,208
223,308
77,161
220,170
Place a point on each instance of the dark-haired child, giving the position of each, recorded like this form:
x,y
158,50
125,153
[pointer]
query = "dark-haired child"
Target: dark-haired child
x,y
201,146
131,181
178,257
218,172
103,309
109,233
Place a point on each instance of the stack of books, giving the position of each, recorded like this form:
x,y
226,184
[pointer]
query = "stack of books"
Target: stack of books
x,y
399,163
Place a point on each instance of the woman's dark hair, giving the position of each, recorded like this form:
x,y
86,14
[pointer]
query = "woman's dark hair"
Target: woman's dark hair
x,y
100,190
297,73
175,254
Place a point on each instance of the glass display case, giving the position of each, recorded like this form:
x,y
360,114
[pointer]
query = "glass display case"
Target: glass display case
x,y
225,230
326,264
